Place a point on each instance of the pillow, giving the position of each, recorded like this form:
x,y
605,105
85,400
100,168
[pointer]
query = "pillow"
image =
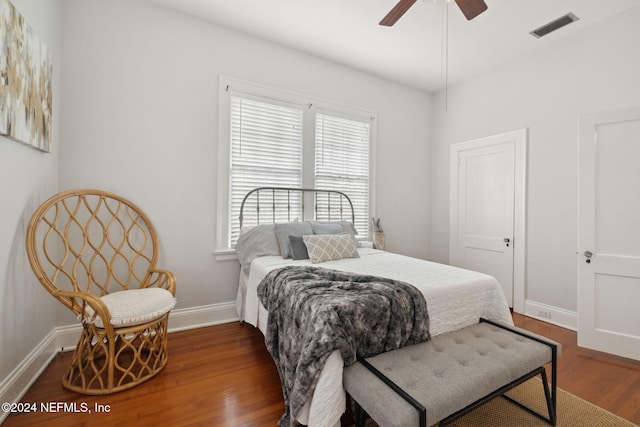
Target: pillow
x,y
326,228
327,247
256,242
135,306
321,226
283,231
298,248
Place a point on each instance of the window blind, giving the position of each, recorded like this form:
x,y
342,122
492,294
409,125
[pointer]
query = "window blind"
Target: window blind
x,y
342,163
266,150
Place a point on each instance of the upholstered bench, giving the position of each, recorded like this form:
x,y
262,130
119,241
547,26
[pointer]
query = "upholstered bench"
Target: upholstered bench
x,y
448,376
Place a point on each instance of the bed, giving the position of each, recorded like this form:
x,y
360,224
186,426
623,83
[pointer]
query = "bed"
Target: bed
x,y
456,297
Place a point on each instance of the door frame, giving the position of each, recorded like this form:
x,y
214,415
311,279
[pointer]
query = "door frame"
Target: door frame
x,y
520,140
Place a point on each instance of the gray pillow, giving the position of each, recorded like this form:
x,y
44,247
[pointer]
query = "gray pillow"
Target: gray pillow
x,y
283,231
256,242
345,227
298,248
326,228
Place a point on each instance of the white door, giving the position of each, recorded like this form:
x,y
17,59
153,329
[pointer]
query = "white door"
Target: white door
x,y
609,233
485,175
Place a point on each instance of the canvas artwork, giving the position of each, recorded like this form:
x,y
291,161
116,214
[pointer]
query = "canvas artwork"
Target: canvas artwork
x,y
25,81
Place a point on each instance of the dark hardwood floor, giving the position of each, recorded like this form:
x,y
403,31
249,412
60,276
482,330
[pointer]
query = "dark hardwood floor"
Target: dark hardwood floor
x,y
223,376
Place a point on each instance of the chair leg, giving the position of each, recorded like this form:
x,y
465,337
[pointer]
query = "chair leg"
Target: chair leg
x,y
104,365
111,363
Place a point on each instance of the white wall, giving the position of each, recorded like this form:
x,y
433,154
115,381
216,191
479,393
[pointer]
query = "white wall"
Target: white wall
x,y
27,177
140,119
593,70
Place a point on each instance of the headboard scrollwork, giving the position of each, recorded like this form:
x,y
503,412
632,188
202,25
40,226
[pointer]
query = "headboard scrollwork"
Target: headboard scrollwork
x,y
288,204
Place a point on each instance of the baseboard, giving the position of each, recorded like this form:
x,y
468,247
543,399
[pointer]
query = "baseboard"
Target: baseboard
x,y
16,384
63,338
67,336
550,314
198,317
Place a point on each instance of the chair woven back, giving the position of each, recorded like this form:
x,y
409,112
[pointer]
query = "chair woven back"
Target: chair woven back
x,y
90,241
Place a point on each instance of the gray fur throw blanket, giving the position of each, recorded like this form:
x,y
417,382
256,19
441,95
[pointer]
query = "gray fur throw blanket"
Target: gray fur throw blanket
x,y
314,311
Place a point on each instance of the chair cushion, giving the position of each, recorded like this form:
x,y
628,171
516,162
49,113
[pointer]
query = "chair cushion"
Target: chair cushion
x,y
135,306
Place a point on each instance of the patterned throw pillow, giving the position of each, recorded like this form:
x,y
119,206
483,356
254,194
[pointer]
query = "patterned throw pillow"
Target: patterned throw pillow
x,y
327,247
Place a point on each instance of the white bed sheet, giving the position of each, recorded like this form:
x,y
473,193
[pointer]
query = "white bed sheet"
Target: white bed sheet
x,y
456,298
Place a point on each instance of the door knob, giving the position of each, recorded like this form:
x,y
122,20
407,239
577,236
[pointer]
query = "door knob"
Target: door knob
x,y
588,255
507,241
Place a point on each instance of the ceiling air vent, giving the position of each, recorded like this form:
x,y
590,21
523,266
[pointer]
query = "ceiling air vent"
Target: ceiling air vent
x,y
554,25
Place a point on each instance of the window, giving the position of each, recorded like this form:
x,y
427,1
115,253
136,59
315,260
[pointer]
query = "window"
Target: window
x,y
274,138
266,149
342,162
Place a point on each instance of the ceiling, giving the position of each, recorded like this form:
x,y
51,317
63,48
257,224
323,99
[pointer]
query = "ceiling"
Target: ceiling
x,y
412,51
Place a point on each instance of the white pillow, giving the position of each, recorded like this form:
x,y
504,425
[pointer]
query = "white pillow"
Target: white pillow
x,y
328,247
135,306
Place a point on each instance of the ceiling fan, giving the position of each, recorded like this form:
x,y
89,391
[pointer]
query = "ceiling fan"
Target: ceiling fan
x,y
470,9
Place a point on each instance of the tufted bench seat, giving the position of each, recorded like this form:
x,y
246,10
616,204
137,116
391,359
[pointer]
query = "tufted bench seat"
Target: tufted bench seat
x,y
446,377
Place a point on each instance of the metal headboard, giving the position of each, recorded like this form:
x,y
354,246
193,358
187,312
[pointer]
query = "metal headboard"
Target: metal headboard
x,y
319,195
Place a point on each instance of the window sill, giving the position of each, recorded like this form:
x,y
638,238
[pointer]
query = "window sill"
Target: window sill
x,y
225,255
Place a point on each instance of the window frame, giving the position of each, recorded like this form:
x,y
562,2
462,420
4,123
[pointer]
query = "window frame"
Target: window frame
x,y
310,107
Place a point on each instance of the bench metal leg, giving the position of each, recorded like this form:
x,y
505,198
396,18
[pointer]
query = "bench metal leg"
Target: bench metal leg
x,y
359,415
551,419
551,410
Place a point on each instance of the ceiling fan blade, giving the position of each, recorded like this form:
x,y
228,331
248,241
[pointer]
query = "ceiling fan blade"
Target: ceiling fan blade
x,y
471,8
397,12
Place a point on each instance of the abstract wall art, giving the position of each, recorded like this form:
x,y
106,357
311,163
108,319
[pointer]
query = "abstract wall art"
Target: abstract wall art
x,y
25,81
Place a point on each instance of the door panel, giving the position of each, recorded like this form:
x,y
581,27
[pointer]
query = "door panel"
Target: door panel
x,y
616,311
488,191
617,181
609,229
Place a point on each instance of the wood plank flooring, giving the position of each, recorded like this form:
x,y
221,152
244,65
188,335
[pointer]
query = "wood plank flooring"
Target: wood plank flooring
x,y
223,376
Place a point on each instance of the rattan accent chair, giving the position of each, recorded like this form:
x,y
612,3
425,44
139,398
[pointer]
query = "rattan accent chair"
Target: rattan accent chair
x,y
96,252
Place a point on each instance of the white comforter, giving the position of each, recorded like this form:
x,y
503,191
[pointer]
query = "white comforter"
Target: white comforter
x,y
455,298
